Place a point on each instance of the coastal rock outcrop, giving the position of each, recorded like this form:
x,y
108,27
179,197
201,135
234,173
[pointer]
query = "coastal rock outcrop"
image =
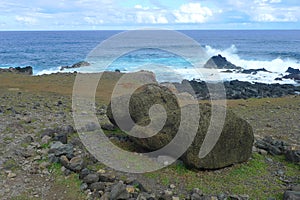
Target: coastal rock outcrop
x,y
254,71
233,146
293,74
241,89
220,62
19,70
293,71
76,65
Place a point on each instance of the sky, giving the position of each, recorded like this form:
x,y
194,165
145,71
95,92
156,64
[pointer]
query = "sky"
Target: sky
x,y
133,14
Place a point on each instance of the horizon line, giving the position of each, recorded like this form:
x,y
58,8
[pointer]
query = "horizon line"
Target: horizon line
x,y
41,30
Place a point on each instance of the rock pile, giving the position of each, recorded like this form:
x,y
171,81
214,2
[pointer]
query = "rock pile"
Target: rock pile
x,y
278,147
240,89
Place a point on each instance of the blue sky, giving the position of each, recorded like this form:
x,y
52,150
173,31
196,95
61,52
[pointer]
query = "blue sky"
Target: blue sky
x,y
132,14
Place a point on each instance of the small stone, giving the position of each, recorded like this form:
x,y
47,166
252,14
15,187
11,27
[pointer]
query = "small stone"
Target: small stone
x,y
64,161
291,195
105,196
262,152
97,186
11,175
244,197
38,157
222,197
59,149
28,139
45,172
62,137
175,198
53,159
269,159
197,191
293,156
296,188
108,127
196,196
91,178
168,193
172,186
254,149
45,140
76,164
83,186
130,189
84,172
101,171
68,129
44,165
146,196
280,172
119,191
63,169
107,178
138,185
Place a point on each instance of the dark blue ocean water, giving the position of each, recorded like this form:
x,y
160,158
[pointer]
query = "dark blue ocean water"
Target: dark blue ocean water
x,y
45,51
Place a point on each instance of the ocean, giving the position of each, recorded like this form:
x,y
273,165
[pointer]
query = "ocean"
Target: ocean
x,y
47,51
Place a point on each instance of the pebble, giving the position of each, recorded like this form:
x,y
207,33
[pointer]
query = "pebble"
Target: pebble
x,y
262,152
269,159
101,171
168,192
172,186
130,189
280,172
11,175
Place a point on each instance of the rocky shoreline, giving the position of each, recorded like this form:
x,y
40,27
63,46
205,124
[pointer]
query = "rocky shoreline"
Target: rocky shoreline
x,y
240,90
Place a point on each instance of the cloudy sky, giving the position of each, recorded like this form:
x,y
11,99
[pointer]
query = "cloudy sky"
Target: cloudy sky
x,y
131,14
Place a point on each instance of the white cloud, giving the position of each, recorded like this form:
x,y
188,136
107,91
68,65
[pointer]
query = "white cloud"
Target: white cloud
x,y
288,17
150,18
275,1
267,11
26,20
192,13
83,14
138,7
93,20
266,2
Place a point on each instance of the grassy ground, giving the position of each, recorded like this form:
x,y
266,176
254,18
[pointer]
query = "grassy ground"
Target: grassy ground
x,y
257,178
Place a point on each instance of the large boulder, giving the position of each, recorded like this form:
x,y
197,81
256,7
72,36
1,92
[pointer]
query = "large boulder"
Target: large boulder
x,y
233,146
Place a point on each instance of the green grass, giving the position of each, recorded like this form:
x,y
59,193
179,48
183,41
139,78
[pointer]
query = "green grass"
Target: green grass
x,y
45,146
291,169
252,178
10,164
7,139
23,197
69,186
